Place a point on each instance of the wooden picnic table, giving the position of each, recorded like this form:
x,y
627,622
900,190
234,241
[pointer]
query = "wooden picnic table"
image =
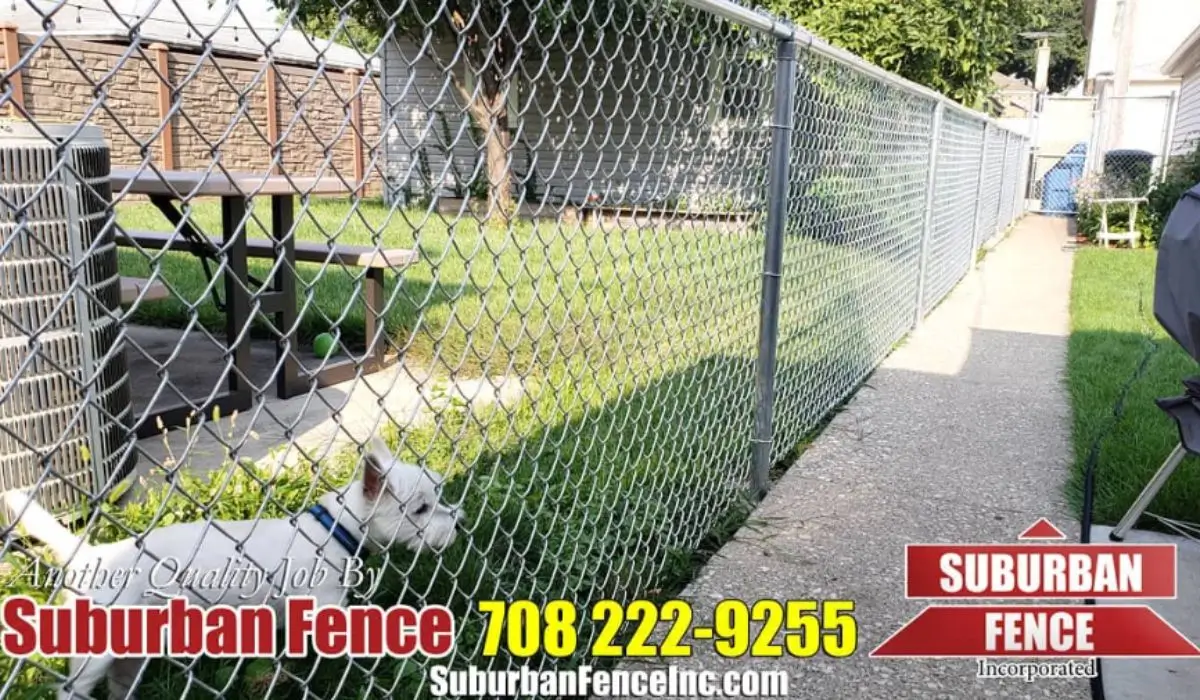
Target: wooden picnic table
x,y
167,188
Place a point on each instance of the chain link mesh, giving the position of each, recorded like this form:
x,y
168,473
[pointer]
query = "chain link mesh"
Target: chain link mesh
x,y
1132,141
852,244
521,242
958,181
989,219
1010,179
1097,148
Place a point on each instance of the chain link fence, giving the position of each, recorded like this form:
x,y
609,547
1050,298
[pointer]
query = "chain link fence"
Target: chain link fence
x,y
1101,147
594,270
1131,146
1063,130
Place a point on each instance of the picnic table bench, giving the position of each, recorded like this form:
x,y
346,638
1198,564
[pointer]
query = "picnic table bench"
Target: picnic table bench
x,y
233,250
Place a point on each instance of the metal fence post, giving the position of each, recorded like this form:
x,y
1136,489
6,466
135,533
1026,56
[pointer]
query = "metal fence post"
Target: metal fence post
x,y
977,224
782,124
1168,133
1026,176
1013,176
1014,197
927,233
1094,138
1006,203
1000,200
1022,174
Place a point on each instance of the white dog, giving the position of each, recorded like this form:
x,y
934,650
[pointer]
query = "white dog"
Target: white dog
x,y
394,503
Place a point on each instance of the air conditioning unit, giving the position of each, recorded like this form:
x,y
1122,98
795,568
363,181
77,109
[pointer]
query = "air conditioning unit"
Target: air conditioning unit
x,y
66,412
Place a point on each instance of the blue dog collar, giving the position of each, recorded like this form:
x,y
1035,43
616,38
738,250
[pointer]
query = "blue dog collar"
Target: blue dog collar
x,y
339,533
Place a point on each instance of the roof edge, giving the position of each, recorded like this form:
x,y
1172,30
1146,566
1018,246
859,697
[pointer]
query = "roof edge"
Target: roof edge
x,y
372,65
1184,55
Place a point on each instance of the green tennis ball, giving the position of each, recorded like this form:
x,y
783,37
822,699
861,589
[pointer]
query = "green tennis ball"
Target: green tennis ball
x,y
324,345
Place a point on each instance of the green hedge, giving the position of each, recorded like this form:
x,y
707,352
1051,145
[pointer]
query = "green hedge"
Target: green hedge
x,y
1182,174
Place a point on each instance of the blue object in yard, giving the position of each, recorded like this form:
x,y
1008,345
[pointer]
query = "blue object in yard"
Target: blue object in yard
x,y
1059,183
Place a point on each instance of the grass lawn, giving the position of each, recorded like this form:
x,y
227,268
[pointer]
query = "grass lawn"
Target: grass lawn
x,y
477,302
627,459
1113,331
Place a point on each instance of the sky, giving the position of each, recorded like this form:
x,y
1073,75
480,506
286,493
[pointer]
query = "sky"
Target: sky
x,y
258,13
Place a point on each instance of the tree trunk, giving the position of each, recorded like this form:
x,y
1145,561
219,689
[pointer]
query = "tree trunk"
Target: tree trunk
x,y
491,113
490,55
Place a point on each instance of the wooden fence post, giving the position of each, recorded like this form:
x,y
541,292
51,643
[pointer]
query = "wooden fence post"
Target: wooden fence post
x,y
163,64
272,114
12,56
356,124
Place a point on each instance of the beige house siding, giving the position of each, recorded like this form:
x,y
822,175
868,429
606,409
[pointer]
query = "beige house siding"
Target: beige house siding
x,y
1187,116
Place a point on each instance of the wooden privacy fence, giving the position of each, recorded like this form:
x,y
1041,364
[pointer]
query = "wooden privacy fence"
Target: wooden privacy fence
x,y
207,107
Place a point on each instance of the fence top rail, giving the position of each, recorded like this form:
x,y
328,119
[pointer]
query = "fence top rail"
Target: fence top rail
x,y
754,19
780,29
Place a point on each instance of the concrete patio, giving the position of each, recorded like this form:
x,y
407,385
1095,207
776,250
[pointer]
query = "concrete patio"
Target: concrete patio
x,y
318,423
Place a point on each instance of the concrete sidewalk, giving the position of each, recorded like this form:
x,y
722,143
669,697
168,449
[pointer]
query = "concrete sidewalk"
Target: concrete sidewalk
x,y
961,436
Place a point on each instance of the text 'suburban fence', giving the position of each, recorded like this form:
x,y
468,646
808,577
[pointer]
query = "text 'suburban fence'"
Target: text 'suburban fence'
x,y
599,266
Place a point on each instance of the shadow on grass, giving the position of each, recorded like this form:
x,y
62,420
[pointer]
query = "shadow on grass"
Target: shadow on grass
x,y
612,500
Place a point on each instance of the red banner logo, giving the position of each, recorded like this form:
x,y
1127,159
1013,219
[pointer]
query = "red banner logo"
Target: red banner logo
x,y
1042,571
1045,571
1062,631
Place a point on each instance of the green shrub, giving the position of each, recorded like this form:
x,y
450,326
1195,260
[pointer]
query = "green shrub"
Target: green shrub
x,y
1087,219
1182,174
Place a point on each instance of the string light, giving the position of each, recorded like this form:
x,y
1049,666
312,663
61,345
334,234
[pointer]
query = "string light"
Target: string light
x,y
163,20
140,22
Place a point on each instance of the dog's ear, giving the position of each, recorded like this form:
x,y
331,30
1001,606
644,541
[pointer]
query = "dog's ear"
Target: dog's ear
x,y
375,461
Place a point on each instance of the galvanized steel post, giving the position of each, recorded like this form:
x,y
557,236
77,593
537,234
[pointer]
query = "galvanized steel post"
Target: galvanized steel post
x,y
976,239
1000,223
927,230
782,126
